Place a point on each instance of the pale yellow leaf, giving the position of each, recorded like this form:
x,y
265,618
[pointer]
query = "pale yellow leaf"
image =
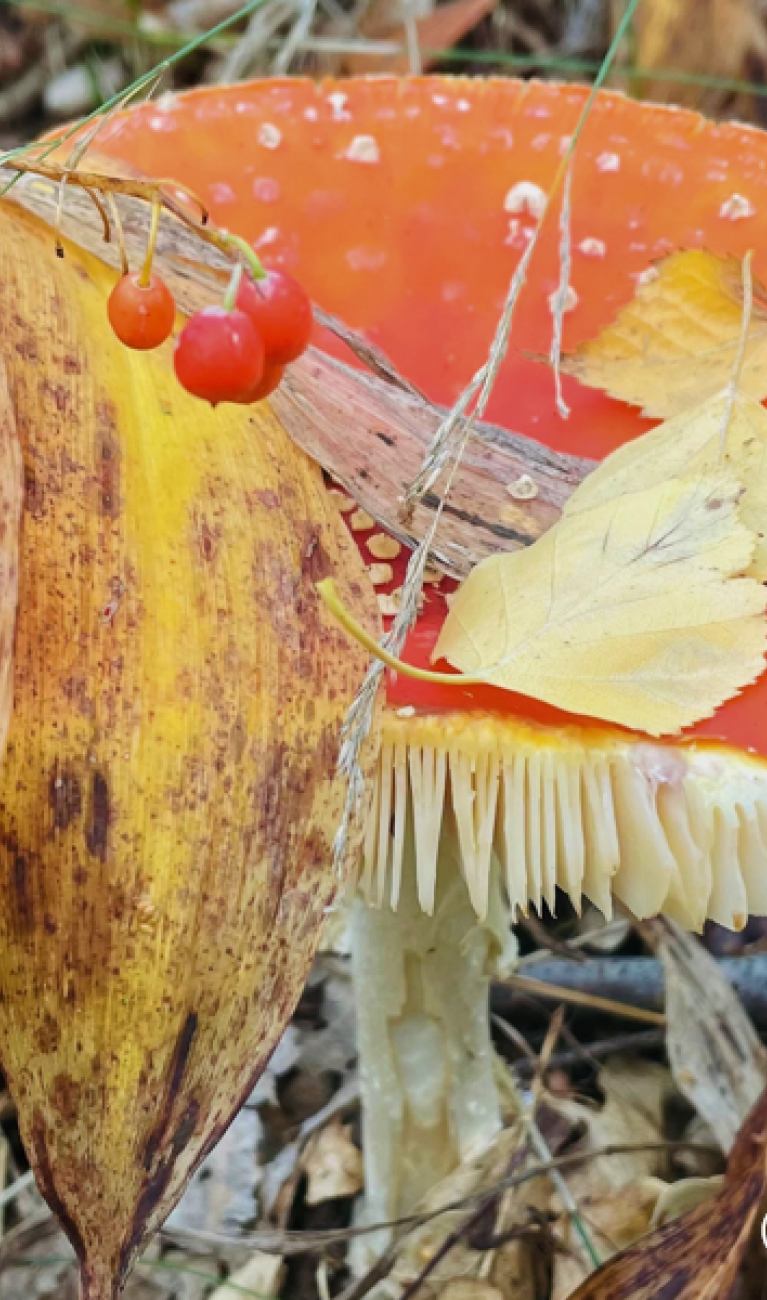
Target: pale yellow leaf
x,y
675,344
689,444
631,611
332,1164
679,1198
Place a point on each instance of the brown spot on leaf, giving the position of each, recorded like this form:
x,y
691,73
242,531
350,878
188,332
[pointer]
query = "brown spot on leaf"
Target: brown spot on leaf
x,y
155,1186
207,539
41,1163
34,496
98,817
21,883
267,498
65,798
48,1035
316,561
108,457
65,1097
175,1076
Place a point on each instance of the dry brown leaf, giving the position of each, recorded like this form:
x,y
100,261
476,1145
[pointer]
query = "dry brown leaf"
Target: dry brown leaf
x,y
616,1195
332,1164
512,1269
635,1094
704,38
715,1054
698,1256
262,1275
467,1288
675,344
630,611
613,1222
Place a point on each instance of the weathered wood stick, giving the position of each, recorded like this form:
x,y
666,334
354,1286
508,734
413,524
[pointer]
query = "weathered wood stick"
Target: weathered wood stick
x,y
369,428
636,981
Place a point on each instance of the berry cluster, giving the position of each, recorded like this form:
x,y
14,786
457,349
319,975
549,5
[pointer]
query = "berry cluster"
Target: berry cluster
x,y
236,352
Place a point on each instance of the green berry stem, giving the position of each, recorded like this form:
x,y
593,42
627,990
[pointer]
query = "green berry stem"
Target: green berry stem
x,y
233,288
154,225
229,242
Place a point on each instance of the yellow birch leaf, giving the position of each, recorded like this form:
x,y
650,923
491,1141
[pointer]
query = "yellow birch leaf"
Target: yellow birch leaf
x,y
631,611
674,345
722,432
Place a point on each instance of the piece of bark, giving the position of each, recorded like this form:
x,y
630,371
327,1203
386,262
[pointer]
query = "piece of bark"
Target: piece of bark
x,y
369,430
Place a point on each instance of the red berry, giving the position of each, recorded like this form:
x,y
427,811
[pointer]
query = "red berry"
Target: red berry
x,y
219,355
281,312
267,383
141,315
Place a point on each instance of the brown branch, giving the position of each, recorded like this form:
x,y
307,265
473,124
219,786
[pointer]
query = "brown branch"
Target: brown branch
x,y
369,430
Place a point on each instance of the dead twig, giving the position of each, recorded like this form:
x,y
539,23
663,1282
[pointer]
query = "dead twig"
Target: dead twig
x,y
289,1243
548,989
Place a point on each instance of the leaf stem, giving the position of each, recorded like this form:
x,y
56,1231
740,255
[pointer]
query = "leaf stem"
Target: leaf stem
x,y
228,243
328,591
145,274
233,288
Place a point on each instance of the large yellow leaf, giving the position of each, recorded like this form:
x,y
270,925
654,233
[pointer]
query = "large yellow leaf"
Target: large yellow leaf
x,y
675,343
720,432
629,611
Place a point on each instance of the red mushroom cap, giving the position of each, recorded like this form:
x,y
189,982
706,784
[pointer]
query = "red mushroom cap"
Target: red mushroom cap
x,y
404,207
390,200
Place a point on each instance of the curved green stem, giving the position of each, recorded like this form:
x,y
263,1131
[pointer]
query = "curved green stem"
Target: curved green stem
x,y
328,592
228,242
154,225
233,288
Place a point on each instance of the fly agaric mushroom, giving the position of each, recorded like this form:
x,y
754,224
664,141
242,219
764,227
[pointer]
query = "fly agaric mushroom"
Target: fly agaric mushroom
x,y
405,207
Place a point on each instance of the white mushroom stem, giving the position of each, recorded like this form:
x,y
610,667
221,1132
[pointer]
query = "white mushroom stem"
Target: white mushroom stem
x,y
477,816
427,1064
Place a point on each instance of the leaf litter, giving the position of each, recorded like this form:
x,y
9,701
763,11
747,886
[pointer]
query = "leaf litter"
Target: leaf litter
x,y
519,1248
